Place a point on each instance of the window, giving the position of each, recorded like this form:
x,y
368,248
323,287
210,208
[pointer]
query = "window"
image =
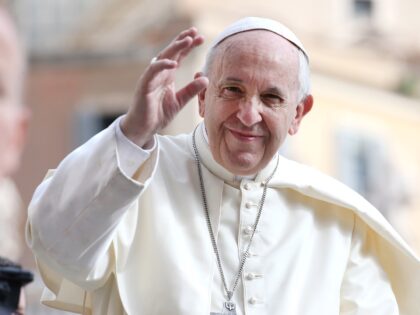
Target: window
x,y
364,164
363,8
89,123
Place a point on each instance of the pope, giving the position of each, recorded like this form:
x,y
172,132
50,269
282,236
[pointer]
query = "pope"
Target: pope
x,y
215,221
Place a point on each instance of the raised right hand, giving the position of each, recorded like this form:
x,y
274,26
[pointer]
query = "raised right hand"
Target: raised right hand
x,y
156,101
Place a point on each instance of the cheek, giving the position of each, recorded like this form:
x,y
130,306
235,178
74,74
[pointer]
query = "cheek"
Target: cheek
x,y
277,123
278,126
217,112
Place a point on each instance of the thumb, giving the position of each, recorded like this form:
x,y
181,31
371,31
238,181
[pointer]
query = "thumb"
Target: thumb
x,y
185,94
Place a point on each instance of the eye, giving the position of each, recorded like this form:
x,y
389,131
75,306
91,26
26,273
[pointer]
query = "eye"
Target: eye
x,y
273,100
231,91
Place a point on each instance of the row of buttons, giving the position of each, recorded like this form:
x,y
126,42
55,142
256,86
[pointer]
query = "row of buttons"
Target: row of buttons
x,y
249,186
247,231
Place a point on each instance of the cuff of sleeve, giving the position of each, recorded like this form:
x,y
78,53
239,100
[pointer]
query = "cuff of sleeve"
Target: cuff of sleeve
x,y
130,155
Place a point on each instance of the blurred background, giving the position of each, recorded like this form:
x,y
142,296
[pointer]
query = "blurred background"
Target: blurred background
x,y
85,57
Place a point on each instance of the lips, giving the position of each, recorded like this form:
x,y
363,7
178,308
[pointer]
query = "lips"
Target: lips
x,y
244,135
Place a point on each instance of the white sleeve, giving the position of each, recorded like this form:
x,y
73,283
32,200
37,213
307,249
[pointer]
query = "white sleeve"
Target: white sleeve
x,y
75,213
366,289
130,155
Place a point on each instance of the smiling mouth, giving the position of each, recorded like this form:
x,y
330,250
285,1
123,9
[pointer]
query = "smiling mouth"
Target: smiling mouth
x,y
244,136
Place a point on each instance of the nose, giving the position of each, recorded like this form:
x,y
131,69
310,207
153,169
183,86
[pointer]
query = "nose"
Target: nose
x,y
249,112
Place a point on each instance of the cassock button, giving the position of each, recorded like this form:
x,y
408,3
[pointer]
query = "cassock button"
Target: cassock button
x,y
253,301
248,230
249,205
250,254
252,276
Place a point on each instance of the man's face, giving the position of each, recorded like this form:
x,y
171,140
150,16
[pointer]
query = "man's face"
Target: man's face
x,y
251,102
13,117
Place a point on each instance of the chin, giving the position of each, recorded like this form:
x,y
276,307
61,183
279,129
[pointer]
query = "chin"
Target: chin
x,y
243,166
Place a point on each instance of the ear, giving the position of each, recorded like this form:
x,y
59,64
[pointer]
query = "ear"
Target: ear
x,y
201,96
301,110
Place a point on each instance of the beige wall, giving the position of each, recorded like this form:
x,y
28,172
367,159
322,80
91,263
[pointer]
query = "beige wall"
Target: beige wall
x,y
55,93
392,120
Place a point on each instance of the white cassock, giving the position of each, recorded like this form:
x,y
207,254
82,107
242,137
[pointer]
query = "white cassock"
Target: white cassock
x,y
110,244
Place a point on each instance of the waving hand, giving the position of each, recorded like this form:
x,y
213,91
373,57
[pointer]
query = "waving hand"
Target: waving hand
x,y
156,101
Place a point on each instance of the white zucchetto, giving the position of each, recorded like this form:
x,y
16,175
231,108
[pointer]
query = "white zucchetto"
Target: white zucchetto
x,y
258,23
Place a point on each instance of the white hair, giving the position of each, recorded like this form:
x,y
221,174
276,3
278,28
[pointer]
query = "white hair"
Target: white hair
x,y
304,76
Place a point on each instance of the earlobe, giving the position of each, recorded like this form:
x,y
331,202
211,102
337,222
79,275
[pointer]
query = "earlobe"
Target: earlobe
x,y
201,103
201,96
301,110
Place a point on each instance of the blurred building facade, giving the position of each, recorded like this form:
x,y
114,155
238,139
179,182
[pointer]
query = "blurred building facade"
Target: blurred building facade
x,y
86,56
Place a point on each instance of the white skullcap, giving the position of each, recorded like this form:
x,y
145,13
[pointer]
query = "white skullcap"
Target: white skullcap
x,y
258,23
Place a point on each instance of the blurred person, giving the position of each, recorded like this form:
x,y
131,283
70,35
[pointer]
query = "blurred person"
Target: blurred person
x,y
13,124
13,116
215,221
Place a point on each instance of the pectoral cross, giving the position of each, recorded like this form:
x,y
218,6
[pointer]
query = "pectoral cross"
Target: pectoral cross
x,y
229,308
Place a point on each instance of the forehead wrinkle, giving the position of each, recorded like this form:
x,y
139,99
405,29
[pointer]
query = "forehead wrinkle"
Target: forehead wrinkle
x,y
233,79
241,45
264,86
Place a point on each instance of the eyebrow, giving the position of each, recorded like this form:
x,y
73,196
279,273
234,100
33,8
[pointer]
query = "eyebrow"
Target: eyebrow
x,y
275,90
232,79
271,90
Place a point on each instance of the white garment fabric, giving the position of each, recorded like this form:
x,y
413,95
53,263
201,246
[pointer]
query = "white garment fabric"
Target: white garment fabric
x,y
130,155
107,243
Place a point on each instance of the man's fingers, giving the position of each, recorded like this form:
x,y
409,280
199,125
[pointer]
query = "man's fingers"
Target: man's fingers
x,y
175,48
157,67
190,90
182,45
192,32
197,41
